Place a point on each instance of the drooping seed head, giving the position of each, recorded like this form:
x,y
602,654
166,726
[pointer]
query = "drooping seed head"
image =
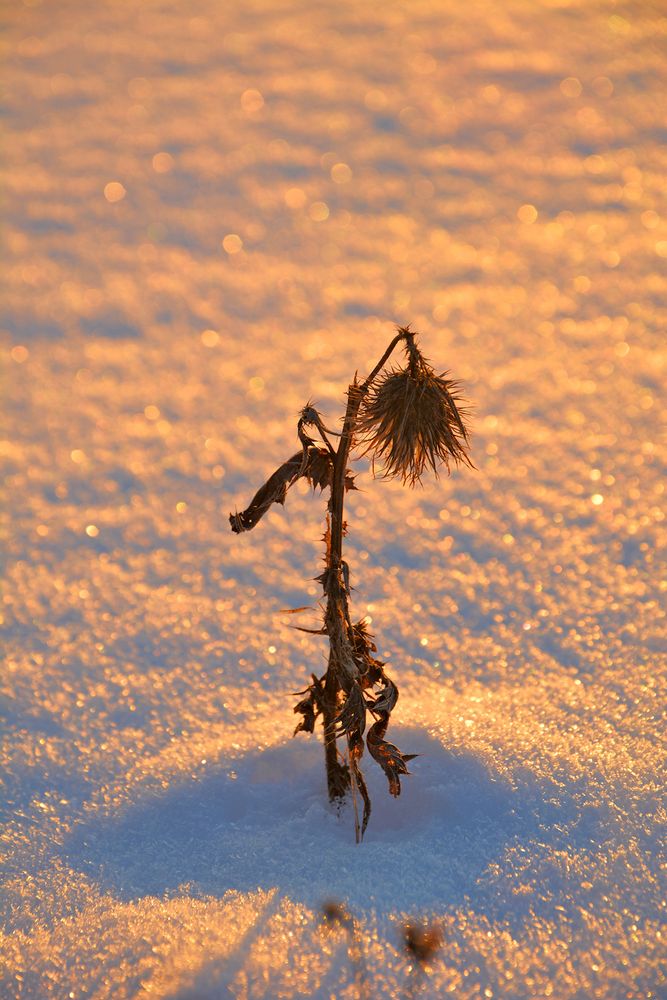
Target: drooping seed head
x,y
411,420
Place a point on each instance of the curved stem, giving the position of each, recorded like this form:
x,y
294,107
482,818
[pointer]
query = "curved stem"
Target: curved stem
x,y
403,334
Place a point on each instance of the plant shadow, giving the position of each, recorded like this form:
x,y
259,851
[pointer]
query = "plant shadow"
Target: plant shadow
x,y
263,821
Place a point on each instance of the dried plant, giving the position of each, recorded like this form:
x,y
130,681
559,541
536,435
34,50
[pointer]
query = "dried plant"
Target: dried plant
x,y
409,420
422,942
336,915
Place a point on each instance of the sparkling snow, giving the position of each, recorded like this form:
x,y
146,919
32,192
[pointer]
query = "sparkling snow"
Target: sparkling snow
x,y
213,213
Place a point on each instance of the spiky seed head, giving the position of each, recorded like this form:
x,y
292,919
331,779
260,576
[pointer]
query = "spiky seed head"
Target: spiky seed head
x,y
411,420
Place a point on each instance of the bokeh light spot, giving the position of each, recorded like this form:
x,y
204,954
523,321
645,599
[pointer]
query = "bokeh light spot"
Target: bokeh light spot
x,y
114,191
19,354
319,211
210,338
650,219
375,100
232,243
341,173
491,94
295,197
252,101
527,214
163,163
603,86
92,530
595,164
571,87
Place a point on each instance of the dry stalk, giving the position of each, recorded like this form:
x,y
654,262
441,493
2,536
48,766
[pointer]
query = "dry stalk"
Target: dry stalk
x,y
409,420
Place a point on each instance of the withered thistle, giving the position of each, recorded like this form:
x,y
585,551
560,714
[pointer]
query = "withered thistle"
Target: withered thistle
x,y
408,420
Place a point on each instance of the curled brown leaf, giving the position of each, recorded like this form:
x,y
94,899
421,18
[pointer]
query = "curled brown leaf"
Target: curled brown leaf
x,y
314,463
389,757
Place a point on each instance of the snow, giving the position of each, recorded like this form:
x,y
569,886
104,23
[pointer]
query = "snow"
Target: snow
x,y
213,214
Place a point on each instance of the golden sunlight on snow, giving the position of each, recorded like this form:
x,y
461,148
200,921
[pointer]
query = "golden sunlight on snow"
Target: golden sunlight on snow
x,y
213,214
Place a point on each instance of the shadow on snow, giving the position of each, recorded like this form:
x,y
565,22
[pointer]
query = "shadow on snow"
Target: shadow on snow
x,y
263,821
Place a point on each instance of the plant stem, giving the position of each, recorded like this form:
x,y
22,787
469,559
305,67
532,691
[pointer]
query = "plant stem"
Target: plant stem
x,y
403,334
337,616
355,395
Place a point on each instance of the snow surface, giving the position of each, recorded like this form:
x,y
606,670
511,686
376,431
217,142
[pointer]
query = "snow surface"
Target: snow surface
x,y
215,212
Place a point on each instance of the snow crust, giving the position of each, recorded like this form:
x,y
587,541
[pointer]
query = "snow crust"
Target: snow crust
x,y
213,214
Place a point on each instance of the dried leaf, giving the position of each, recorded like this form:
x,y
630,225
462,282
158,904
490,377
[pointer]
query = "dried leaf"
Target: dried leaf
x,y
352,717
370,669
388,756
319,467
310,706
361,785
386,700
273,491
362,639
314,462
